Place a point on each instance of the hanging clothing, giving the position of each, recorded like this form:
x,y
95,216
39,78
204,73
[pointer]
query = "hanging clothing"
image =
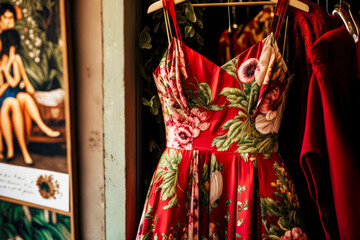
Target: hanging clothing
x,y
221,176
303,30
224,52
329,158
246,35
255,31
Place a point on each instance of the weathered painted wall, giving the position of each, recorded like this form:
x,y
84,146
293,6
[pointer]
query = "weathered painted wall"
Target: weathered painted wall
x,y
105,68
119,117
87,24
114,118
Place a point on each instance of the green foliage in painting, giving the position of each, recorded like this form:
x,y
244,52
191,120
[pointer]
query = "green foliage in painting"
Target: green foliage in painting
x,y
31,223
41,43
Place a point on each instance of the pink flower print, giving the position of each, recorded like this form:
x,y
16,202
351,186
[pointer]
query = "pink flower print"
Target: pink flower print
x,y
168,121
185,233
168,101
246,72
185,133
198,121
173,87
270,119
201,115
163,71
195,112
184,137
204,126
169,90
183,128
295,234
181,59
197,124
212,229
270,101
178,116
196,132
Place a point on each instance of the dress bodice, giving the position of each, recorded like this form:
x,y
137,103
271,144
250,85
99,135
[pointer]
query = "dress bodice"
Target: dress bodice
x,y
236,107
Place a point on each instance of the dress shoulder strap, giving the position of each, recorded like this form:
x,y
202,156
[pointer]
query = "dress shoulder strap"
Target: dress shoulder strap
x,y
169,7
279,16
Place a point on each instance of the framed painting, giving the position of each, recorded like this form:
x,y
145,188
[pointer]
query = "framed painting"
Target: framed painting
x,y
37,163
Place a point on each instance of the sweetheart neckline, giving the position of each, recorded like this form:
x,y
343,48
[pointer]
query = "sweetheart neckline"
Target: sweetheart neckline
x,y
173,38
221,69
213,63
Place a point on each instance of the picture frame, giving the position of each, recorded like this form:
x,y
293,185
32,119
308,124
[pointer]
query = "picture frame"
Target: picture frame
x,y
40,179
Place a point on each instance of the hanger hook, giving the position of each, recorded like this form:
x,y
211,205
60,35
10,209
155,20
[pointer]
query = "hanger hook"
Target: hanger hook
x,y
229,30
350,24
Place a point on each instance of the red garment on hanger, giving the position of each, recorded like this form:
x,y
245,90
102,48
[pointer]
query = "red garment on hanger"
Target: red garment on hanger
x,y
303,30
257,29
329,155
224,48
220,176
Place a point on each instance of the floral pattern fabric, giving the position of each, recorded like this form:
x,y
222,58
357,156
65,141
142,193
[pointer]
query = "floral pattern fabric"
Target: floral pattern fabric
x,y
221,176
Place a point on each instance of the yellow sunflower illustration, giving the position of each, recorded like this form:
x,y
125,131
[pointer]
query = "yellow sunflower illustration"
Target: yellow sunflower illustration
x,y
47,186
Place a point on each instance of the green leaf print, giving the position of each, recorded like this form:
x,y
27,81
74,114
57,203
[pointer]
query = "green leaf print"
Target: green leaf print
x,y
205,173
168,173
171,203
147,235
238,118
237,131
266,156
147,214
254,90
236,98
205,93
204,97
230,68
264,143
287,209
215,165
270,208
240,128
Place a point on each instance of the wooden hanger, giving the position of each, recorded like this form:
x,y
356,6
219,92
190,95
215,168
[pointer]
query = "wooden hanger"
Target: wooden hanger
x,y
294,3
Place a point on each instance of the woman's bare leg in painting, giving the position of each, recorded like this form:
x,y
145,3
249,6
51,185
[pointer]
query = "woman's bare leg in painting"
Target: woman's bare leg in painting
x,y
11,107
29,106
1,145
28,123
6,126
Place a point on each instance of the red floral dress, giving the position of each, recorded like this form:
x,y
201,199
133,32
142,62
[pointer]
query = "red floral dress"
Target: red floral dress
x,y
221,176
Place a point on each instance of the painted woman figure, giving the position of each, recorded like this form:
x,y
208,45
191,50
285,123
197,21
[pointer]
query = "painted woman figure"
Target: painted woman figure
x,y
17,97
